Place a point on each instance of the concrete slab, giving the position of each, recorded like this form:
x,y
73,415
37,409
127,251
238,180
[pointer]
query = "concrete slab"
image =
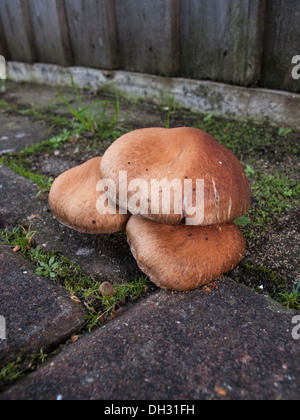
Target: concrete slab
x,y
38,314
37,97
229,343
17,132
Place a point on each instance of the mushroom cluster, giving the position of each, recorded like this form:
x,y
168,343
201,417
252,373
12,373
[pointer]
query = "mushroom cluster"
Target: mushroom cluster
x,y
192,243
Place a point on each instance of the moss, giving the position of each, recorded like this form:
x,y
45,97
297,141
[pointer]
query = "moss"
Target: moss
x,y
262,280
21,366
34,113
43,183
250,142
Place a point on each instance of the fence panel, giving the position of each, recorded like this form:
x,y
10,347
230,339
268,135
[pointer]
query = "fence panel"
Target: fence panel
x,y
148,35
281,44
234,41
93,33
51,31
18,42
222,40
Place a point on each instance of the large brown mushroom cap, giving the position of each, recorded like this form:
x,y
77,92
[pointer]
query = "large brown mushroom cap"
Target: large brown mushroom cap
x,y
180,153
73,201
184,257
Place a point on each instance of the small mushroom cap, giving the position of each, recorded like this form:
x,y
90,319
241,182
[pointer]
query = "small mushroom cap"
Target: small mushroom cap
x,y
184,257
179,154
73,201
107,289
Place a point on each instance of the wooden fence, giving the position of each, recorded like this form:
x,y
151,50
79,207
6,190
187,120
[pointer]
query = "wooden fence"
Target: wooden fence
x,y
242,42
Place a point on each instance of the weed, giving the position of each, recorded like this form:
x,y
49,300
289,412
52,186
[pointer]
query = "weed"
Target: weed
x,y
18,237
291,299
283,131
48,269
20,366
170,108
242,221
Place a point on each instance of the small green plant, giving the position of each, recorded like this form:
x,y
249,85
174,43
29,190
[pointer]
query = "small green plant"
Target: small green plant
x,y
291,299
46,187
283,131
18,237
170,108
242,221
48,269
20,366
249,171
208,118
12,371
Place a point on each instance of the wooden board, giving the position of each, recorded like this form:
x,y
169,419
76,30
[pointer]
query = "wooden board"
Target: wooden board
x,y
18,42
93,33
281,44
148,35
222,40
51,31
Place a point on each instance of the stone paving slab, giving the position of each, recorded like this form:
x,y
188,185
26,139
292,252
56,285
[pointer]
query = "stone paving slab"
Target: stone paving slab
x,y
229,343
38,314
36,96
18,131
105,257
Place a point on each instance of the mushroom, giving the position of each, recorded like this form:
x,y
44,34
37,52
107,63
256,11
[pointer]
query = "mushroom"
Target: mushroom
x,y
181,249
73,201
107,289
184,257
179,154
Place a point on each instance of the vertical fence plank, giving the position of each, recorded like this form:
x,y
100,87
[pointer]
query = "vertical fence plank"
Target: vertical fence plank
x,y
222,40
19,39
51,31
148,35
281,44
3,41
93,32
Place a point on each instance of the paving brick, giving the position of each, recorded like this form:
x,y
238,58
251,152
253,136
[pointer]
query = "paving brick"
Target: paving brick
x,y
38,314
229,343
